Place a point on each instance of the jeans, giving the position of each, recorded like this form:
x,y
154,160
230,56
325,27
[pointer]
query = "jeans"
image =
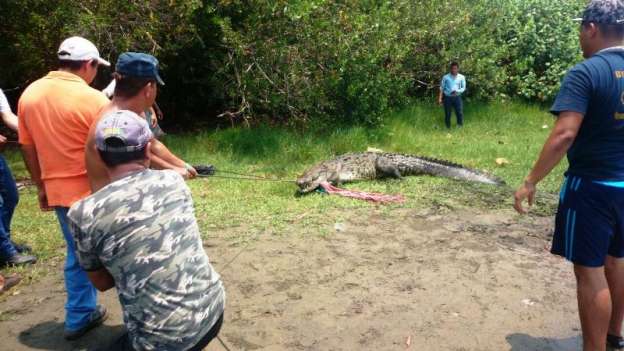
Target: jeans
x,y
81,295
8,201
456,103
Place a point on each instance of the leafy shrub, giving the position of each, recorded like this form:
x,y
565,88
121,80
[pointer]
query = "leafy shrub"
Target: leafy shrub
x,y
305,63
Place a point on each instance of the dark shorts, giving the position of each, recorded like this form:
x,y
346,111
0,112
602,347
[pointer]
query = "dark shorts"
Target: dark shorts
x,y
589,224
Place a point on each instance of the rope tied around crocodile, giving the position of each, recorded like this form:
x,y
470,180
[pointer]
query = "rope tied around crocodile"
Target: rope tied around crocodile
x,y
362,195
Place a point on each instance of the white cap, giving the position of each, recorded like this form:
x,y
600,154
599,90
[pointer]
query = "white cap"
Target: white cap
x,y
80,49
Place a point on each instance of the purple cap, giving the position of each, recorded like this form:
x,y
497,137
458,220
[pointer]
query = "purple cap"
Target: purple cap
x,y
122,131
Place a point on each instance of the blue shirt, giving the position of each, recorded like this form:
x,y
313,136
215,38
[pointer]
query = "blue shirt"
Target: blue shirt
x,y
450,84
595,89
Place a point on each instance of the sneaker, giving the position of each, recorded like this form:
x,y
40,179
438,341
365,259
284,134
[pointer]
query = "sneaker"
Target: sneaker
x,y
19,260
96,318
21,248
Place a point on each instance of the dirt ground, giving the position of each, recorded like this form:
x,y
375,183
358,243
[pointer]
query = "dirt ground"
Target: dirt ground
x,y
379,280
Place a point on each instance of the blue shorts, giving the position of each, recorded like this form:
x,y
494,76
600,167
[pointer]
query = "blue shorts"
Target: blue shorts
x,y
589,223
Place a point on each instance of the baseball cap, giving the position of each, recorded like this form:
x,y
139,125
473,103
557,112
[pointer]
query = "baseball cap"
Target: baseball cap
x,y
79,49
137,64
130,131
603,11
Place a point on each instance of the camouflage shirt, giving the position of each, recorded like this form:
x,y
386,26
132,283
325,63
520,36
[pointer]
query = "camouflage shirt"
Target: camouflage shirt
x,y
142,229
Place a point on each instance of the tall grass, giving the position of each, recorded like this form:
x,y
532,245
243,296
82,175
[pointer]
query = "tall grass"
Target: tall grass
x,y
238,209
512,131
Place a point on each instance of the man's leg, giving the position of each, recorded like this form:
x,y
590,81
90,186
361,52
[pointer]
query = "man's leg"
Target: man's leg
x,y
594,303
7,250
447,111
81,295
459,110
614,270
9,193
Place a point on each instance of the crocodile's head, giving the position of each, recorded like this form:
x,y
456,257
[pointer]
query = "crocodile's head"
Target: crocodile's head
x,y
313,177
310,181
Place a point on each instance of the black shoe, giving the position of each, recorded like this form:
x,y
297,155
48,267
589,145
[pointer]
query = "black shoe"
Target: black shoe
x,y
96,318
21,248
19,260
615,341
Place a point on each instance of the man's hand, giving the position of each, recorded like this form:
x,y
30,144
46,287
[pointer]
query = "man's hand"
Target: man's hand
x,y
183,172
43,199
525,191
191,171
439,101
3,141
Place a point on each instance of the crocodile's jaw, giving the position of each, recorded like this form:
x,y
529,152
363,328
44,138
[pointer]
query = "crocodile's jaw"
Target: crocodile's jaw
x,y
308,187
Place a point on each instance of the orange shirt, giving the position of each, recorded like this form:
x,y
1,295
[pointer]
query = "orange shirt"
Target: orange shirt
x,y
55,114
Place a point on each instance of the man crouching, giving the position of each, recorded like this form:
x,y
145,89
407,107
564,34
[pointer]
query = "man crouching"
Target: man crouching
x,y
139,234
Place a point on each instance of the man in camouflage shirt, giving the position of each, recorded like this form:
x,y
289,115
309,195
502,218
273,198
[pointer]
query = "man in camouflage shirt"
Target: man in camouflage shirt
x,y
139,234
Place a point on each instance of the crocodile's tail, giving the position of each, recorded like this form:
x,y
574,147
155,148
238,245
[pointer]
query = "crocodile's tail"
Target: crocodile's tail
x,y
413,165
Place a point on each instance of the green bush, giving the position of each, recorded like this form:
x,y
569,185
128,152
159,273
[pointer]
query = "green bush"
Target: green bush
x,y
305,63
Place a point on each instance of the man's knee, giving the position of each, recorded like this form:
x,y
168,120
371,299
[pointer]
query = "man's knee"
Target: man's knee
x,y
613,263
588,275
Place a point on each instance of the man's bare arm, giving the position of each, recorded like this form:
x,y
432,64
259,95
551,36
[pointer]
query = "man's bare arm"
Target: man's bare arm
x,y
101,279
558,142
31,160
10,119
162,158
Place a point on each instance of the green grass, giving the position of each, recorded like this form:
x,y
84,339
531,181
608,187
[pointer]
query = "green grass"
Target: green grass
x,y
240,209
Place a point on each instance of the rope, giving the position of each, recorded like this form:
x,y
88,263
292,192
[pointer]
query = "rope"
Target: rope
x,y
239,252
223,343
209,171
225,266
246,178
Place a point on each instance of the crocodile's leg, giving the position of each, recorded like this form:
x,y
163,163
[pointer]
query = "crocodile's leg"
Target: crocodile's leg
x,y
386,168
334,179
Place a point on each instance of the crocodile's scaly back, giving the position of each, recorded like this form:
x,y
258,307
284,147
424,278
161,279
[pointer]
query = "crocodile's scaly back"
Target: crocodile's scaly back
x,y
371,165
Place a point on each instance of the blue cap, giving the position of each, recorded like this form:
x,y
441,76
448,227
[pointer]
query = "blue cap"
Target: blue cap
x,y
137,64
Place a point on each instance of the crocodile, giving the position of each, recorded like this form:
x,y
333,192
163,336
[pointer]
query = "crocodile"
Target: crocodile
x,y
373,165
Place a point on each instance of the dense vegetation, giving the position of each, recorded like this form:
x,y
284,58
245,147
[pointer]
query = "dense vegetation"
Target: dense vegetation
x,y
304,62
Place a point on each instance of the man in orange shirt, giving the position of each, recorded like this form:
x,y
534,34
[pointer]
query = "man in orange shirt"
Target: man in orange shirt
x,y
55,114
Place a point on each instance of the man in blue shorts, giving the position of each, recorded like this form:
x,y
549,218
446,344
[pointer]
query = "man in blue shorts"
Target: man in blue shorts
x,y
589,227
